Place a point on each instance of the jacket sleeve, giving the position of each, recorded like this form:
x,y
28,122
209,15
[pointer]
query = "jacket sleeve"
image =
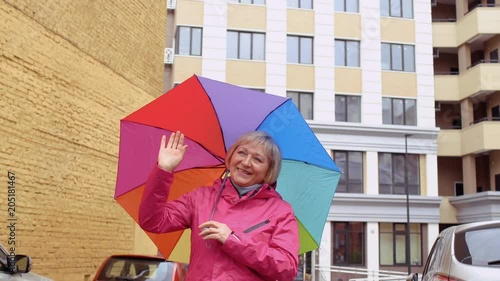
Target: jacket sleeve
x,y
276,260
155,214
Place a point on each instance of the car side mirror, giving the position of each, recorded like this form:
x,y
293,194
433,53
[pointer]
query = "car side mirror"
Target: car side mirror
x,y
22,264
412,277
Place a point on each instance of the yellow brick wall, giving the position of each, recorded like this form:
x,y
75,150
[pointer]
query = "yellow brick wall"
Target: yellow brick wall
x,y
69,71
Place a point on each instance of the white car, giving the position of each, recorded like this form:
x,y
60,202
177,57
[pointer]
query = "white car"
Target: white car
x,y
17,268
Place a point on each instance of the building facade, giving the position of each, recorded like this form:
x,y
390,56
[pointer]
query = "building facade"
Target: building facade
x,y
69,71
466,39
361,73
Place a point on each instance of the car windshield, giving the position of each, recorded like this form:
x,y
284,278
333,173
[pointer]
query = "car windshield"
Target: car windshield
x,y
479,247
128,269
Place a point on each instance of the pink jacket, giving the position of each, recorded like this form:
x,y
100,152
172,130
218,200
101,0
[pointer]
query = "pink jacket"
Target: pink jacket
x,y
265,243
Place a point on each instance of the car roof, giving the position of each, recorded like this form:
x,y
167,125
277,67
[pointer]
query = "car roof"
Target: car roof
x,y
476,225
137,256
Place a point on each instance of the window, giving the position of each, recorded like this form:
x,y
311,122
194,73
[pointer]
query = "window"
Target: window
x,y
459,188
299,49
348,108
494,56
304,101
348,243
188,41
346,53
398,57
392,168
351,164
396,8
301,4
393,241
350,6
245,45
258,2
398,111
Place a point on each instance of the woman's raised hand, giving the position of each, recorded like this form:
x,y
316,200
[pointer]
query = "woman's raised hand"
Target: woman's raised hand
x,y
171,155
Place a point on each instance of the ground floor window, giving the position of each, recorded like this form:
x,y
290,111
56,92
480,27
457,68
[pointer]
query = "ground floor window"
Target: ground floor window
x,y
393,244
348,243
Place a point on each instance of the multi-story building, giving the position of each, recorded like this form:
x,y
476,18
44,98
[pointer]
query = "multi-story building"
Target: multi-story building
x,y
466,39
361,73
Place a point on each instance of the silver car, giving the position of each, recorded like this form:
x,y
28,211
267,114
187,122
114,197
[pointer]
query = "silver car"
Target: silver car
x,y
465,252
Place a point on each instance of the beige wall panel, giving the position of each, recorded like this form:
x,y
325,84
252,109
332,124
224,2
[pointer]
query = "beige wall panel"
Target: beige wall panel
x,y
249,17
480,137
347,26
449,143
397,30
444,34
348,80
185,67
447,212
446,88
478,21
491,135
472,139
399,84
482,77
450,171
246,73
189,13
423,174
300,21
300,77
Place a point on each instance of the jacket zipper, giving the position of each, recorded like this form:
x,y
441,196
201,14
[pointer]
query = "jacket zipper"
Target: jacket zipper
x,y
256,226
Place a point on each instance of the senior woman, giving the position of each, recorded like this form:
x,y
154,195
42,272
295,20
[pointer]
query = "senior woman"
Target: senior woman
x,y
241,228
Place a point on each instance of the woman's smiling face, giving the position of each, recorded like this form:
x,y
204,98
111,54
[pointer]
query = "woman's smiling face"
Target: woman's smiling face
x,y
249,164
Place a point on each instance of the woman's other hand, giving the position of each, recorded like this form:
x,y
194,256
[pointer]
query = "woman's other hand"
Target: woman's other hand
x,y
171,155
215,230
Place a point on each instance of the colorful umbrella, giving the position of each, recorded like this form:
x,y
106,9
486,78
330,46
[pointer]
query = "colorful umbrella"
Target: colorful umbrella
x,y
212,115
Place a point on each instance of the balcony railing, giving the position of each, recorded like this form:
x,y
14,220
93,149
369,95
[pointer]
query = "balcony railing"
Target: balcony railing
x,y
446,72
479,120
483,61
444,20
482,6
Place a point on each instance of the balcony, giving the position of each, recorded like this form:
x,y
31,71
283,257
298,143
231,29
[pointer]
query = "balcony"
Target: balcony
x,y
481,137
483,77
483,20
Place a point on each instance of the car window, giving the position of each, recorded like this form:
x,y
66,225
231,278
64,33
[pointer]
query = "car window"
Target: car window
x,y
470,247
141,269
434,255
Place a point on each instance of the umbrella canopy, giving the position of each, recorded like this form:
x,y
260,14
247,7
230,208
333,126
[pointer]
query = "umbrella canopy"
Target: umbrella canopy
x,y
212,115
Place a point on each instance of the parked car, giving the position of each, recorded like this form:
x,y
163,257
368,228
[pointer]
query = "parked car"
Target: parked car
x,y
17,267
465,252
140,268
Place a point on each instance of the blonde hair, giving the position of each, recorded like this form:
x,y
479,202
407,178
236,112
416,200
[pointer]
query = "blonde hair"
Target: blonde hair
x,y
271,149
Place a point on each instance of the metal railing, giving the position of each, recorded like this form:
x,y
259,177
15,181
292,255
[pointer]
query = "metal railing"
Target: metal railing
x,y
382,275
483,61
